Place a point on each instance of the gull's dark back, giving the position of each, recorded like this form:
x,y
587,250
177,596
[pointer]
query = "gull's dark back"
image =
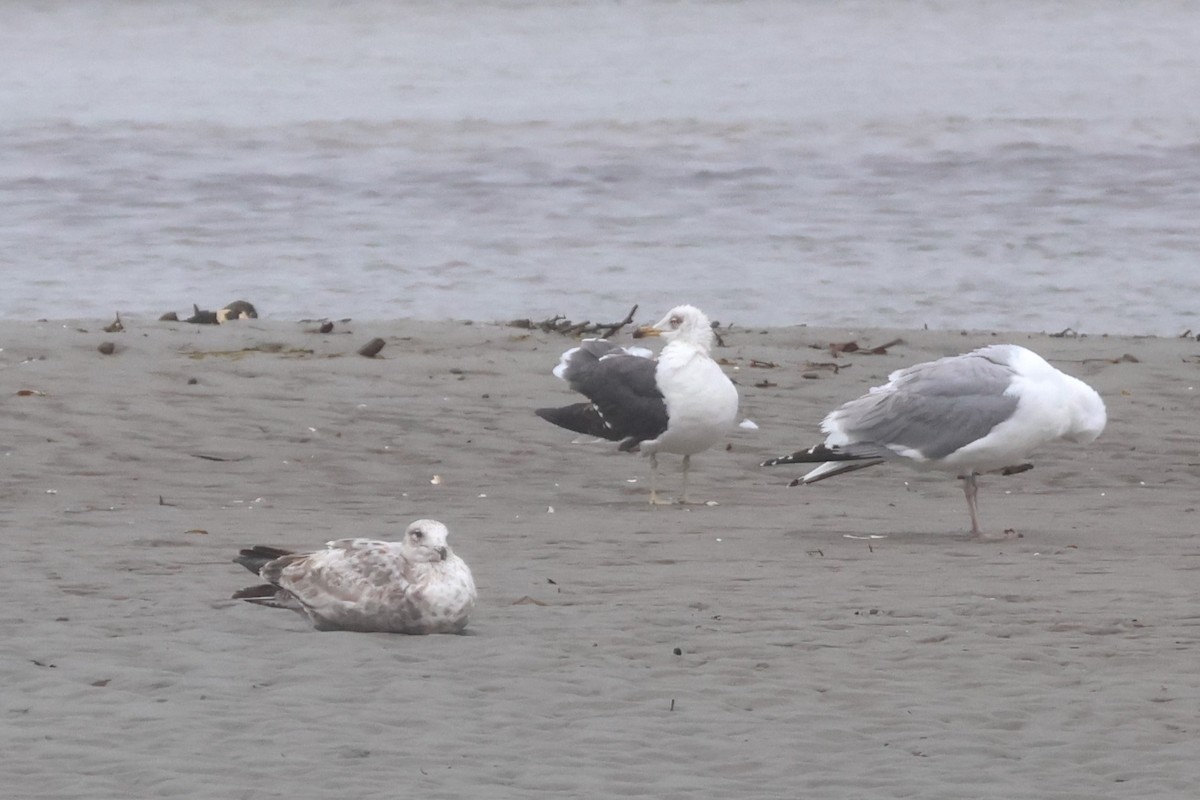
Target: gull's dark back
x,y
626,403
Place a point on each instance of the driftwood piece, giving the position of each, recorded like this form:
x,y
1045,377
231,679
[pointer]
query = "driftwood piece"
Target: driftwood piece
x,y
837,348
561,325
1127,358
202,317
813,368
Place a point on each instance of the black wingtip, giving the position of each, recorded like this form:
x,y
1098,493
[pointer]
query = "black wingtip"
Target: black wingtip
x,y
798,457
821,453
579,418
572,417
261,591
255,558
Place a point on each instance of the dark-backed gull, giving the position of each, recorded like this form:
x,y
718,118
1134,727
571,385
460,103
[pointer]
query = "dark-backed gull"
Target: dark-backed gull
x,y
238,309
679,403
416,585
984,411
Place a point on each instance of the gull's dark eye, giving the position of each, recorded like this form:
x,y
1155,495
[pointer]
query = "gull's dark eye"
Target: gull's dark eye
x,y
418,534
676,322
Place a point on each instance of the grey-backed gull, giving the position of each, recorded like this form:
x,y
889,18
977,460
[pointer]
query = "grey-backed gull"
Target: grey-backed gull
x,y
984,411
679,403
416,585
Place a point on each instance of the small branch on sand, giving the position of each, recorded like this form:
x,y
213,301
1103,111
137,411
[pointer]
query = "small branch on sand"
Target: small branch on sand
x,y
837,348
831,366
616,326
1127,358
561,325
717,333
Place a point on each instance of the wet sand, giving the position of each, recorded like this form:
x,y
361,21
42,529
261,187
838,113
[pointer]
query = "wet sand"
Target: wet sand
x,y
842,640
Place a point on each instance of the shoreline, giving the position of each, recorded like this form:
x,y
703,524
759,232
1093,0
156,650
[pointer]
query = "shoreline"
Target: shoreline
x,y
644,313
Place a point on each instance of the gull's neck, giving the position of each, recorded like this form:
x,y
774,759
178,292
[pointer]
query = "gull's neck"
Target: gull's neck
x,y
701,342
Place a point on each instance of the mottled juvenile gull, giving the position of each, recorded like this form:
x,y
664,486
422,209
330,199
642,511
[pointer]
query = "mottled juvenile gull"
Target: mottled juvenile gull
x,y
679,403
416,585
984,411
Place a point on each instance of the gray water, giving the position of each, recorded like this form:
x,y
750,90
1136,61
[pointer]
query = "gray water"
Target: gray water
x,y
1014,165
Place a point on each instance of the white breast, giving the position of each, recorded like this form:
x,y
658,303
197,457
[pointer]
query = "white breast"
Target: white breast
x,y
702,402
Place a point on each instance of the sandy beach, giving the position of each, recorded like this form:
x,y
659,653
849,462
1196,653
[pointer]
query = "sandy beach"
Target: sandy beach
x,y
841,640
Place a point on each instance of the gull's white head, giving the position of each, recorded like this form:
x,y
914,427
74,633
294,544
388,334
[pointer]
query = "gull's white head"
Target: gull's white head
x,y
1082,414
425,541
682,323
1088,415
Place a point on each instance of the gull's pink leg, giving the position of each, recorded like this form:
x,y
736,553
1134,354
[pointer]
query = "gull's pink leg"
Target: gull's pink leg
x,y
969,489
654,501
